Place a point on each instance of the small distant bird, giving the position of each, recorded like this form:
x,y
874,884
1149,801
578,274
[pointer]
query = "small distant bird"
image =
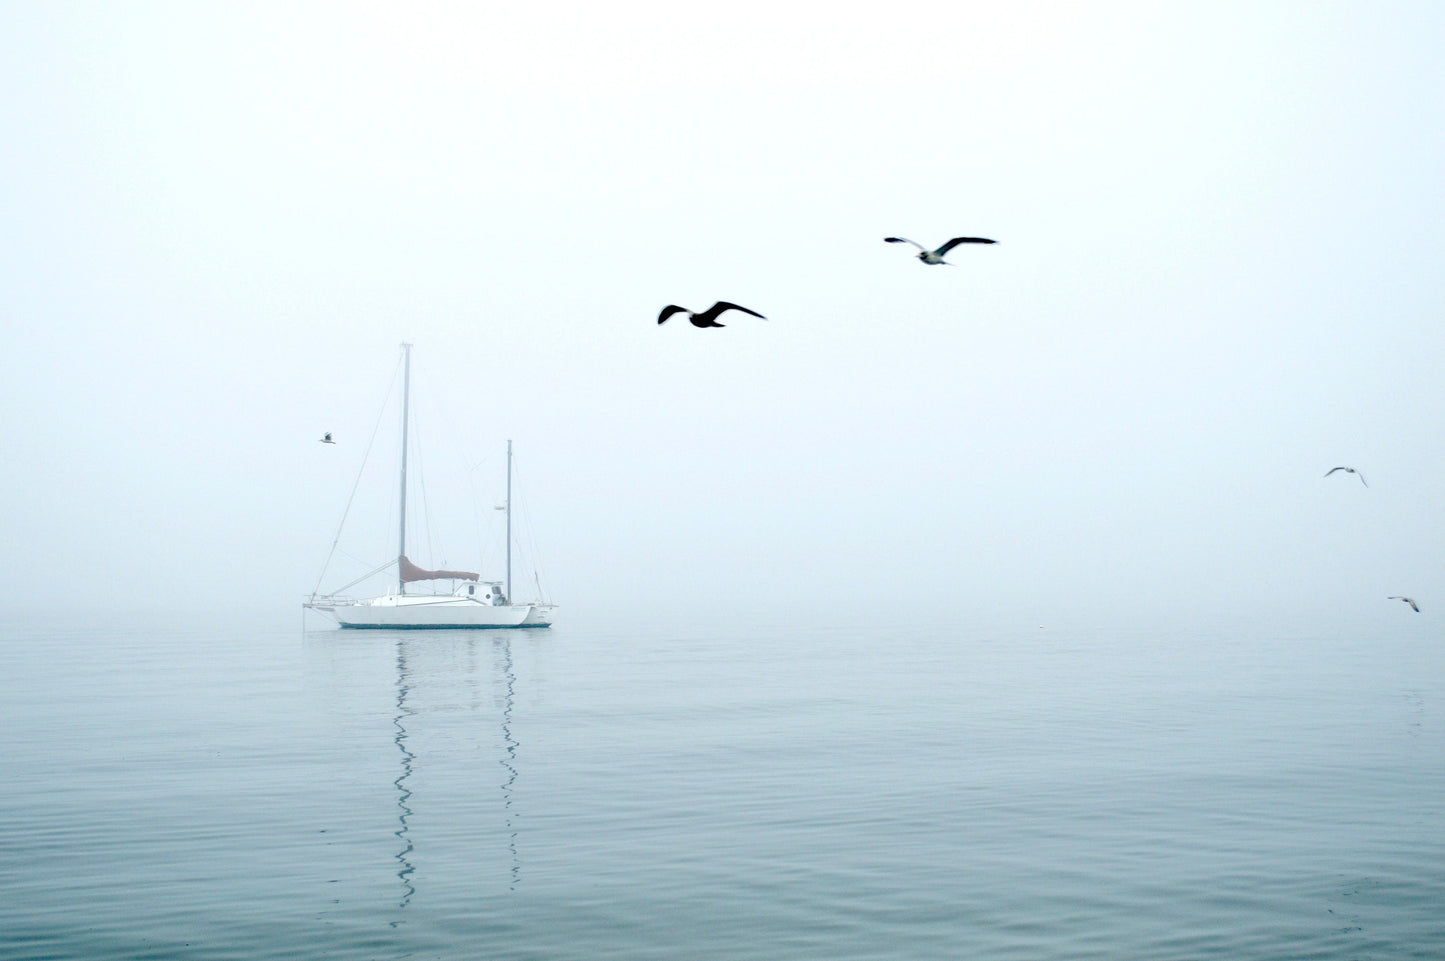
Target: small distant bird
x,y
1408,600
708,318
1347,470
327,438
936,256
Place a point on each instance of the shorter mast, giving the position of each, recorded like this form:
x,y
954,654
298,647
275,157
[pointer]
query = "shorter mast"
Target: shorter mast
x,y
509,521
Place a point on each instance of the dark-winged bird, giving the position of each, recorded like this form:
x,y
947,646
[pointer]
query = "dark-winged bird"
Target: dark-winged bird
x,y
327,438
936,256
1347,470
708,318
1408,600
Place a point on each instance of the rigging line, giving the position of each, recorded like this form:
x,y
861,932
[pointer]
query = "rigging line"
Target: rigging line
x,y
523,519
534,555
527,513
352,557
476,519
446,412
370,573
421,481
484,513
463,454
481,534
357,483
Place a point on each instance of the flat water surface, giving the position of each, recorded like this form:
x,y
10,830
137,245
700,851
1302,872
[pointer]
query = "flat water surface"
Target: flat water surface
x,y
720,791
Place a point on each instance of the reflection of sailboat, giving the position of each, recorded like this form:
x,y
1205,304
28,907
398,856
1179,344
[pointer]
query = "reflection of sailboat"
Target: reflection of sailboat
x,y
472,602
409,721
403,793
509,759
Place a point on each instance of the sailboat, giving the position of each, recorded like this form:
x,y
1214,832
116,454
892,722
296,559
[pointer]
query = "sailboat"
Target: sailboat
x,y
472,602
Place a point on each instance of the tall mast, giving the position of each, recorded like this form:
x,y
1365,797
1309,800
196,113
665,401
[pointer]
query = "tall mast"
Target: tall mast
x,y
405,400
509,521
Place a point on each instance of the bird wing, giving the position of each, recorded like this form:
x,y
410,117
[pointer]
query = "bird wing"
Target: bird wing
x,y
1333,469
1360,476
723,305
962,240
668,311
903,240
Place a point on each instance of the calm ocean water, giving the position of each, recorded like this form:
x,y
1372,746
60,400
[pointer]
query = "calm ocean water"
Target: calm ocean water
x,y
716,791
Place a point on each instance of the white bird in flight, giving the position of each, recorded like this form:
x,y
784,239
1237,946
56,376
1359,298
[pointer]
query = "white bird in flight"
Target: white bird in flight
x,y
1347,470
1408,600
936,256
327,438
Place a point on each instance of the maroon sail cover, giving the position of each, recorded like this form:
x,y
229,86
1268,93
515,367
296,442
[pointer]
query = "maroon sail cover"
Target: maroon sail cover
x,y
410,572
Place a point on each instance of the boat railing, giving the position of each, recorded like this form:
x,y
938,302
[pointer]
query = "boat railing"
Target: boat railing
x,y
329,600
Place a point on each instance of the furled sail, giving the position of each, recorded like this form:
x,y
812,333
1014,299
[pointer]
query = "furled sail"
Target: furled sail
x,y
410,572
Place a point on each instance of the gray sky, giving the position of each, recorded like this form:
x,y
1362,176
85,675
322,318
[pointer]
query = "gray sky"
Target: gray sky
x,y
1219,275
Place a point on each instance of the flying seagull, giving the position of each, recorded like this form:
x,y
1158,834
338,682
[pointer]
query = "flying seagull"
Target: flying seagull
x,y
1347,470
708,318
327,439
1408,600
936,256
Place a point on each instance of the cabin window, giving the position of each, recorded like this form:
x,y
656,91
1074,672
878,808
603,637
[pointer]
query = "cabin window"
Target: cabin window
x,y
471,588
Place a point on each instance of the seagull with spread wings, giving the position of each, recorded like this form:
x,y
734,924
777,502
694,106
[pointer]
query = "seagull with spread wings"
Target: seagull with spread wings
x,y
708,318
1408,600
1348,470
936,256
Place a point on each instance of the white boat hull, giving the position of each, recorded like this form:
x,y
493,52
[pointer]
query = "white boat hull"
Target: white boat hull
x,y
412,612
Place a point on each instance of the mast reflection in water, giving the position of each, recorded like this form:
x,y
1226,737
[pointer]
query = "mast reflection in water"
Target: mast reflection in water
x,y
403,793
429,724
509,757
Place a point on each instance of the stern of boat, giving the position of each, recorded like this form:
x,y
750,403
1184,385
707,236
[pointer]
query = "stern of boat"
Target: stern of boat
x,y
539,615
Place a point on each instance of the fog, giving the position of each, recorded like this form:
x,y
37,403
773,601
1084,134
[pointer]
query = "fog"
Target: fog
x,y
1218,275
